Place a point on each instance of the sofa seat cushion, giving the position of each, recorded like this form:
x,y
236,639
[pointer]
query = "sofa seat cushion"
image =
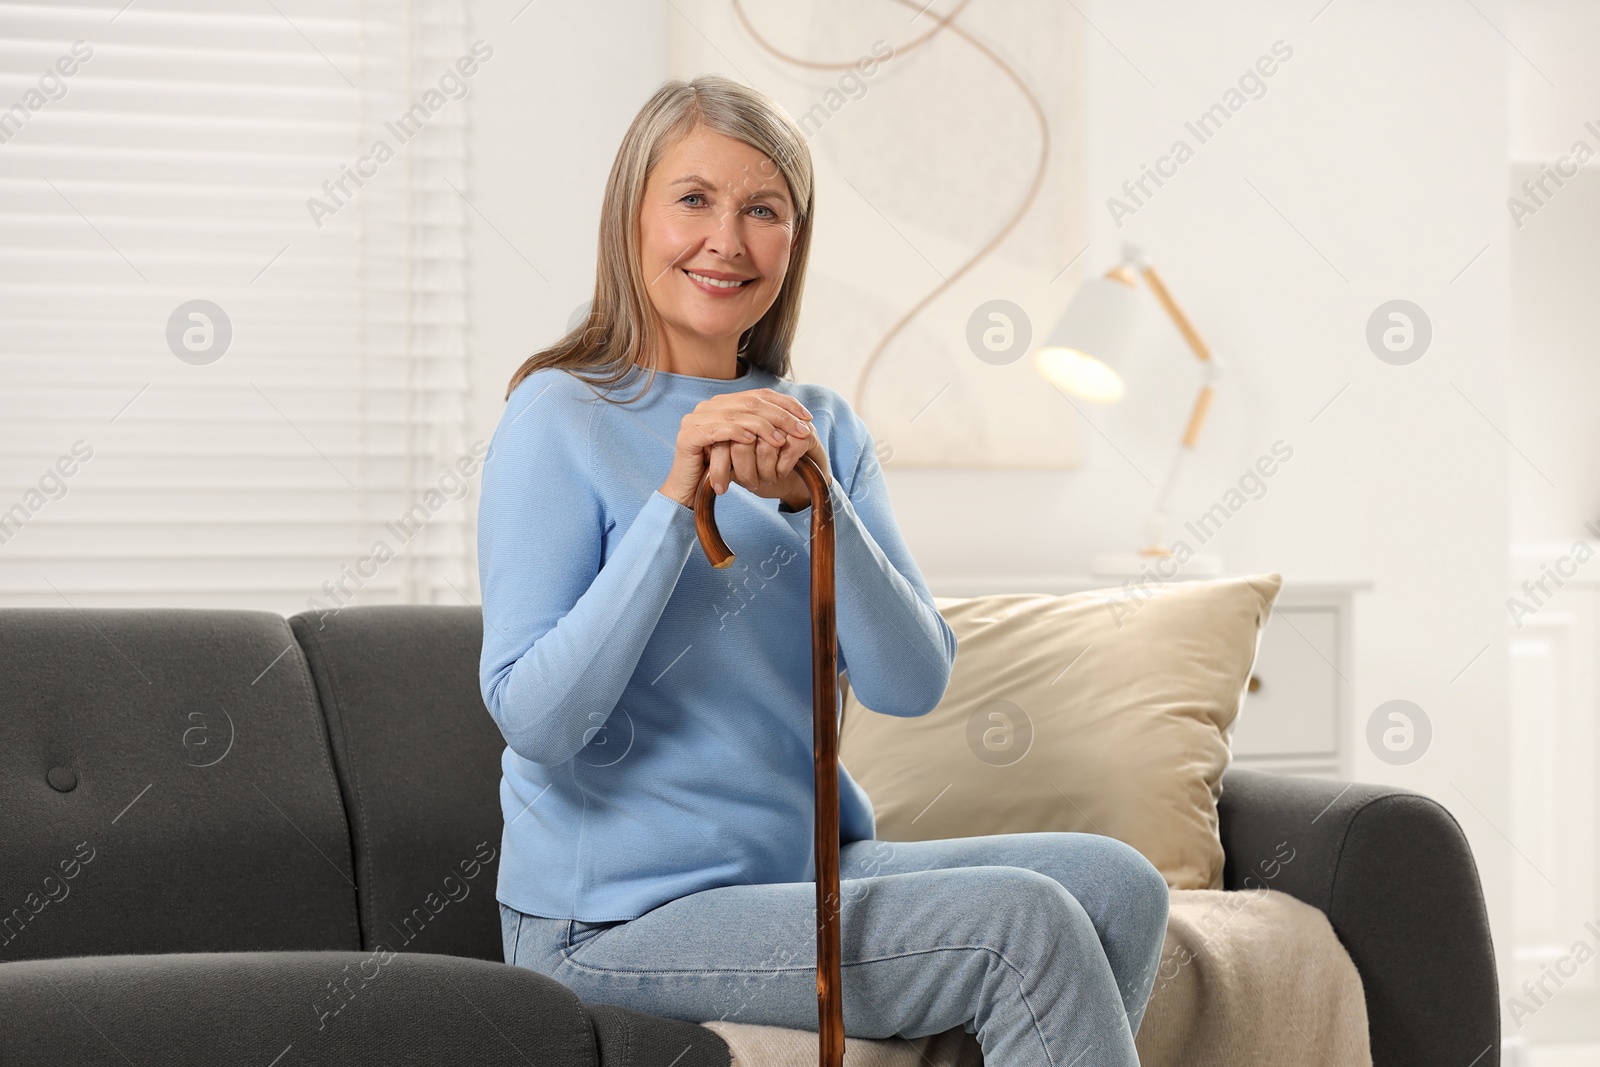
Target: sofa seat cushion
x,y
377,1006
1248,978
778,1046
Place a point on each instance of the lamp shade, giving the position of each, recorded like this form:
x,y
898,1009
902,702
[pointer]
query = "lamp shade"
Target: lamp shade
x,y
1093,338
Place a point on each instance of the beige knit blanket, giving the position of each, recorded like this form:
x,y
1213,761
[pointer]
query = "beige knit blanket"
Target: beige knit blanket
x,y
1250,978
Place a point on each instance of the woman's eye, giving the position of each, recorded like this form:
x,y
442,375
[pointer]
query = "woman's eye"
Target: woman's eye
x,y
770,215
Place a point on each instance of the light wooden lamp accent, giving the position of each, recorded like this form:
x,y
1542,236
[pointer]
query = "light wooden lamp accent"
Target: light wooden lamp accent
x,y
1080,357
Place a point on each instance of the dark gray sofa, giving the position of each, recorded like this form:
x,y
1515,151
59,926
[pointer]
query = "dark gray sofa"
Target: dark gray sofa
x,y
230,837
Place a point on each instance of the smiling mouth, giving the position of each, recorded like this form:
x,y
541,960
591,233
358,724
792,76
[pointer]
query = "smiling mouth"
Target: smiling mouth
x,y
716,283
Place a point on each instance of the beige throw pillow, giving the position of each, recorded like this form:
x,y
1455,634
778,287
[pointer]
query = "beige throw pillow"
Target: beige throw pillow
x,y
1103,712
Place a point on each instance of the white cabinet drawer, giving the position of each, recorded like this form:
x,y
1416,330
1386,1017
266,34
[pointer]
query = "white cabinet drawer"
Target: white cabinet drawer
x,y
1294,711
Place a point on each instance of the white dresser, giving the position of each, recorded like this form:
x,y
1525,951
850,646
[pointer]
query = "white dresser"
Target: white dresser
x,y
1297,713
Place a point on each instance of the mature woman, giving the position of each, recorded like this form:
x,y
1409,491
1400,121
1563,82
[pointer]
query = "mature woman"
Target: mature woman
x,y
658,777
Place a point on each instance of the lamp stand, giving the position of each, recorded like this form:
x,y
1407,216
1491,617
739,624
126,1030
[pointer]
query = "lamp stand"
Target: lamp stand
x,y
1157,557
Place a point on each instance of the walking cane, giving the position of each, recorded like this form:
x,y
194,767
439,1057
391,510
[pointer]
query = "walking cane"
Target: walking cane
x,y
825,736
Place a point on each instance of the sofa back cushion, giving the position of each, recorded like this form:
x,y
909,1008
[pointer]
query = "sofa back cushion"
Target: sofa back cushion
x,y
165,786
1105,711
418,758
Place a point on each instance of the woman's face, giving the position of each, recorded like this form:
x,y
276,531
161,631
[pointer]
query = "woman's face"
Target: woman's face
x,y
717,208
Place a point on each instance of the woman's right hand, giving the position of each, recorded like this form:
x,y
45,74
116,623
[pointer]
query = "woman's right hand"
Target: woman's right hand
x,y
741,418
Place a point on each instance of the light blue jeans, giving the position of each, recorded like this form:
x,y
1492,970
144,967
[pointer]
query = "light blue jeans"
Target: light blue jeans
x,y
1045,945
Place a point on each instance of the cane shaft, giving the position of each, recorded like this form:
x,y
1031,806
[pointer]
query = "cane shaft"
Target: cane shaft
x,y
825,736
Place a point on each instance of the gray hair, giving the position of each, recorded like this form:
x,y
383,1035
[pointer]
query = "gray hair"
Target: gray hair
x,y
621,329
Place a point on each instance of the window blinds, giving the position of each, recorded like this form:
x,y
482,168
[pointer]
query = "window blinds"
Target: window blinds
x,y
232,342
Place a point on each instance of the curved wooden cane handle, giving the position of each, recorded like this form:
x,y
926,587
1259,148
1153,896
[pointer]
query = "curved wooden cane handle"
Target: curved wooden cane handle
x,y
825,736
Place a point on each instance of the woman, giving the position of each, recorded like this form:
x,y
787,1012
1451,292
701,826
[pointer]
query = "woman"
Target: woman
x,y
658,774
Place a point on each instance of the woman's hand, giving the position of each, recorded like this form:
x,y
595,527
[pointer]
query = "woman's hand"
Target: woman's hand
x,y
754,437
765,469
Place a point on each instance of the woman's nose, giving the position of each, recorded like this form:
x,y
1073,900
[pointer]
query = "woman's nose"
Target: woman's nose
x,y
726,238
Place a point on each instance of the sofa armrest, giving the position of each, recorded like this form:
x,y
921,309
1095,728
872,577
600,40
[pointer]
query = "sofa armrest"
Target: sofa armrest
x,y
1393,873
313,1007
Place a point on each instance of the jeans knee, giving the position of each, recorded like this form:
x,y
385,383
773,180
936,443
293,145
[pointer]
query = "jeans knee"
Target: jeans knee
x,y
1139,887
1150,885
1055,913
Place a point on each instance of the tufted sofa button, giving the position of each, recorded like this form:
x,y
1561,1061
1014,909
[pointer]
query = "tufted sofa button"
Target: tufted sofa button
x,y
62,779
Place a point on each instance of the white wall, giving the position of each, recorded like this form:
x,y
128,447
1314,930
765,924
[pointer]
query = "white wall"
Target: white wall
x,y
1555,272
1555,379
547,116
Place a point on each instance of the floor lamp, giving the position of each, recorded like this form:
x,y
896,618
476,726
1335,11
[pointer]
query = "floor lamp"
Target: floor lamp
x,y
1096,335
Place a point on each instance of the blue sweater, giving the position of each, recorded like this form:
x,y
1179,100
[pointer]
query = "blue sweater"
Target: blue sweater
x,y
657,711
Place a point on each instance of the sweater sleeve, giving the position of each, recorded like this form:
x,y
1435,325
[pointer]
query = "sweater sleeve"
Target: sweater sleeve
x,y
563,629
901,649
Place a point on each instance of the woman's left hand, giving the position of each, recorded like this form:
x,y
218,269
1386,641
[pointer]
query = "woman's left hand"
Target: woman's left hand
x,y
767,470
